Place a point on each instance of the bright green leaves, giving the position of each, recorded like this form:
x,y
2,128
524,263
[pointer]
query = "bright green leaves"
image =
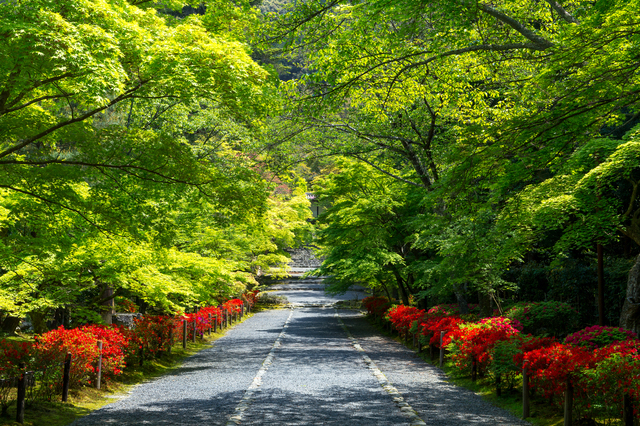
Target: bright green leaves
x,y
123,137
66,63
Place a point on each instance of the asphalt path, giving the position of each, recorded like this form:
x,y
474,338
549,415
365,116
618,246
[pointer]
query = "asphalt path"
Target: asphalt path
x,y
306,365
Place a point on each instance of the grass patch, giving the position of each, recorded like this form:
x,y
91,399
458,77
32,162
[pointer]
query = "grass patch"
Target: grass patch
x,y
81,402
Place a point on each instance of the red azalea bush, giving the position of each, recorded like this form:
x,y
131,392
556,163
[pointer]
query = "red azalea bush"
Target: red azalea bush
x,y
430,328
216,315
597,336
153,334
233,305
616,373
125,305
451,309
52,347
402,317
12,353
507,355
473,343
550,367
115,345
376,305
251,297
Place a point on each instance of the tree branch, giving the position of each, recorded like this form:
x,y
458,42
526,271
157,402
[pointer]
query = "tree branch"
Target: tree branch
x,y
562,12
71,209
632,201
52,129
540,41
387,173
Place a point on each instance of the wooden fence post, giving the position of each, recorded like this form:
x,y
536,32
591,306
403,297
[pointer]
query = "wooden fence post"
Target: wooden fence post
x,y
215,323
184,334
22,392
195,327
66,376
210,325
99,364
525,393
627,410
568,403
441,349
474,368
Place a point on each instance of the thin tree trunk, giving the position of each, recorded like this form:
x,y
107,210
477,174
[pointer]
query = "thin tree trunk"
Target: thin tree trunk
x,y
463,304
485,304
109,305
630,315
401,287
39,322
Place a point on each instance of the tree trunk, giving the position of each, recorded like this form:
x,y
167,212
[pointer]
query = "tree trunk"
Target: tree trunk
x,y
108,306
401,287
39,322
630,315
485,304
463,305
10,324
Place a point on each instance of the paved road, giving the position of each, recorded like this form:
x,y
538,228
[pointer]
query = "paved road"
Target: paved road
x,y
302,366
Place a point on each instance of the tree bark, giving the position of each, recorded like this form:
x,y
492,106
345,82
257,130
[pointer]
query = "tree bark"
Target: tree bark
x,y
485,304
10,324
463,304
108,306
39,322
630,315
403,291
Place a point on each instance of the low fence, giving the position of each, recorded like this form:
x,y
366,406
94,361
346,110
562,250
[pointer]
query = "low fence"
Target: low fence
x,y
55,378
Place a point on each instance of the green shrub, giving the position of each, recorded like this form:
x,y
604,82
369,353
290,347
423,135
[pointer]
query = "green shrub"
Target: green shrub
x,y
545,318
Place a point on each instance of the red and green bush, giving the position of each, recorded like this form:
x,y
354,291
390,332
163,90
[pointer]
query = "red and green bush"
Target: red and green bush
x,y
452,309
153,334
115,345
376,305
52,347
402,317
430,328
471,344
598,336
12,353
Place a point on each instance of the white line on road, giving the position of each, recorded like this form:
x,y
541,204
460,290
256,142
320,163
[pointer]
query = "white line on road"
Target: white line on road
x,y
245,402
405,408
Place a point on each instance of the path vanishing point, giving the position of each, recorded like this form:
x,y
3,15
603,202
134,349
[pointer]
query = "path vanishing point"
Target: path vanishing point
x,y
308,365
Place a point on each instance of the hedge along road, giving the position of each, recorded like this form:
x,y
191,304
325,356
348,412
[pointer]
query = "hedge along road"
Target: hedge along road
x,y
302,366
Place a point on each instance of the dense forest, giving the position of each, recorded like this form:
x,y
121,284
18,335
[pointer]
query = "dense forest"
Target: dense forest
x,y
477,152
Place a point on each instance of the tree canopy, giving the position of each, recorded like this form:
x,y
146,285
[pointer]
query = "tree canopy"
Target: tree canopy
x,y
511,120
